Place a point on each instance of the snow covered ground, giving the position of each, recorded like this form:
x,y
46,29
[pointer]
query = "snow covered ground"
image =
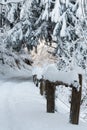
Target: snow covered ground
x,y
22,108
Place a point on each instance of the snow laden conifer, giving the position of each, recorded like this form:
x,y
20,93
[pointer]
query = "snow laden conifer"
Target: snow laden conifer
x,y
14,28
27,29
30,22
34,24
70,34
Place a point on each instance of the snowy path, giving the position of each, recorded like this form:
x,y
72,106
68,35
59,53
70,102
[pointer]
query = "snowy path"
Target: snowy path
x,y
18,105
22,108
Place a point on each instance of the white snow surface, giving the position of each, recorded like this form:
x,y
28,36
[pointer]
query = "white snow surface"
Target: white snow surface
x,y
53,74
22,108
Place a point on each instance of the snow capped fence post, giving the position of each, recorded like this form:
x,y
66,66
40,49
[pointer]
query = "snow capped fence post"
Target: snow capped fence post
x,y
50,96
75,102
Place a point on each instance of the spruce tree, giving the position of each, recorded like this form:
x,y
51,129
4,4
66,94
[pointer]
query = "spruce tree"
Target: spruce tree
x,y
71,49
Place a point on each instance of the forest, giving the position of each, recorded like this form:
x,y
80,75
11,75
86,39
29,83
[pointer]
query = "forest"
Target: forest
x,y
40,36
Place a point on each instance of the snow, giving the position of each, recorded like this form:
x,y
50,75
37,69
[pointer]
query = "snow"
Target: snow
x,y
79,12
10,1
56,12
51,73
22,107
38,71
11,14
67,3
25,9
63,30
46,13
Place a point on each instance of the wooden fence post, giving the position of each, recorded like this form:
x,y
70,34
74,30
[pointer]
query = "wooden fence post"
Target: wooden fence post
x,y
50,96
75,102
42,86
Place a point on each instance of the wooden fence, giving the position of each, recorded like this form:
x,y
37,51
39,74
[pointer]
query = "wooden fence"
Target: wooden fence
x,y
48,88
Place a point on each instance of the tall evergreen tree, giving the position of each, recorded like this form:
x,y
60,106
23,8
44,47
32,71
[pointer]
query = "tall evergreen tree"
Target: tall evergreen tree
x,y
71,48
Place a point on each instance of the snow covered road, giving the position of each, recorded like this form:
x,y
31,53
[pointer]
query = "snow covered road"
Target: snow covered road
x,y
20,103
22,108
